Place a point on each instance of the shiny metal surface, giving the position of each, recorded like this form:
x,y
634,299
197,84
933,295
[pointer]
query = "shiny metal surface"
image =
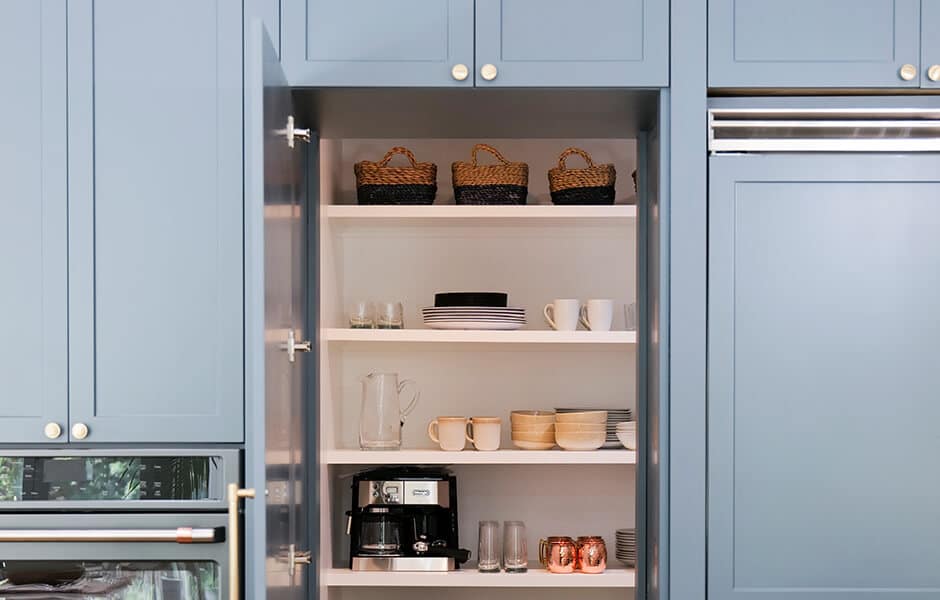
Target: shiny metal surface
x,y
234,538
179,535
52,430
933,73
460,72
908,72
488,72
426,493
80,431
402,563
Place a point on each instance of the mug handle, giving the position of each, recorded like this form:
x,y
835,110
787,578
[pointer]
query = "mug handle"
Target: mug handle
x,y
543,554
583,318
469,432
414,400
550,320
431,427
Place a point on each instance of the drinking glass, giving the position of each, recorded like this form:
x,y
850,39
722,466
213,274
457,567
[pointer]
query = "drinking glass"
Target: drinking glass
x,y
629,316
488,556
362,315
515,552
390,316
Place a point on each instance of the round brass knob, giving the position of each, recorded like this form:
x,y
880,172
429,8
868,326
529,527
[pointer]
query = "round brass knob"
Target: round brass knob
x,y
79,431
488,72
908,72
52,430
933,73
460,72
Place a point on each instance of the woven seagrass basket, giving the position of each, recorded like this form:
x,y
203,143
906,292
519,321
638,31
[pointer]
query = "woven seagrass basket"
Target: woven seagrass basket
x,y
378,183
591,185
501,183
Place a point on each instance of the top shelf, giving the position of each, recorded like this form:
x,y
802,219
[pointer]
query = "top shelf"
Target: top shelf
x,y
535,214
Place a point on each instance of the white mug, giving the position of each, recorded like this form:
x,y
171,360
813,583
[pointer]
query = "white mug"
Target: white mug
x,y
598,315
484,432
449,432
563,315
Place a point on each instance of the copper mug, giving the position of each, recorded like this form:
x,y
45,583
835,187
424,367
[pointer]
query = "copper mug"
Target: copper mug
x,y
592,554
558,554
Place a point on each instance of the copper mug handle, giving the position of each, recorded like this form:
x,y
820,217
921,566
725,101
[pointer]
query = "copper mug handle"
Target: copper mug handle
x,y
543,555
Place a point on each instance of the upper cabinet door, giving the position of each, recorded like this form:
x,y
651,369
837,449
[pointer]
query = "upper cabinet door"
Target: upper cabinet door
x,y
155,220
930,43
822,377
368,43
33,213
558,43
813,43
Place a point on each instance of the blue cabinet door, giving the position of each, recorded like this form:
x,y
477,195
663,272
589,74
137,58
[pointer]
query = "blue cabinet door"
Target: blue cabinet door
x,y
369,43
822,377
558,43
33,212
155,220
812,43
930,43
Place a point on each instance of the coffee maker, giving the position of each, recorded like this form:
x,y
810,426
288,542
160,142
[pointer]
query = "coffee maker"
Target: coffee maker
x,y
404,519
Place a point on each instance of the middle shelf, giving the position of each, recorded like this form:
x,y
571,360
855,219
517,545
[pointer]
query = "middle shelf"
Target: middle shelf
x,y
338,334
475,457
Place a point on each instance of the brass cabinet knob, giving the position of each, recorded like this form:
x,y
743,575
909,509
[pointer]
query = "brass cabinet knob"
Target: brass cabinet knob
x,y
52,430
488,72
460,72
79,431
933,73
908,72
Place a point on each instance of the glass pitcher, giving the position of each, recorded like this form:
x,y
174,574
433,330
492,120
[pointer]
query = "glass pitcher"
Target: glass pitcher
x,y
382,417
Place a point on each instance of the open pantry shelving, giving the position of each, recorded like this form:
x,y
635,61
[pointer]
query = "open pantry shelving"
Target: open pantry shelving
x,y
430,456
536,577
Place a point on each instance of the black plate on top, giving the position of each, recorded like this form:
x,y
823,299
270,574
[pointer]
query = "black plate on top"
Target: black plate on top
x,y
442,299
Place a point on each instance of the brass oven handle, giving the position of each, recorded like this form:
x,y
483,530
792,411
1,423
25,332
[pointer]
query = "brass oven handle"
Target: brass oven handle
x,y
180,535
234,576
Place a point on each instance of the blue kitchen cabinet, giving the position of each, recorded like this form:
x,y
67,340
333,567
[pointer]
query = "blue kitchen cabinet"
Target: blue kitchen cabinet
x,y
155,224
814,43
558,43
376,43
930,43
33,213
822,377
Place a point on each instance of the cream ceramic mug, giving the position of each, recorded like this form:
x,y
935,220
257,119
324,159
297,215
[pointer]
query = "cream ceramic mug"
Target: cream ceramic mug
x,y
484,432
598,315
449,432
563,314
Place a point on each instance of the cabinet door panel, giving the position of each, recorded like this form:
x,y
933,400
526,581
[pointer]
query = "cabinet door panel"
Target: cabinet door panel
x,y
155,227
930,43
33,259
554,43
822,342
812,43
377,43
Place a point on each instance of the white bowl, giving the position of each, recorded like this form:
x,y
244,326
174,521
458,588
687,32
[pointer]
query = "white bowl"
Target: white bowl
x,y
628,439
589,416
626,426
580,441
581,427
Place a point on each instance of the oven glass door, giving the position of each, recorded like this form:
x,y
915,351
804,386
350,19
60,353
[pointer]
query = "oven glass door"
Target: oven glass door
x,y
114,556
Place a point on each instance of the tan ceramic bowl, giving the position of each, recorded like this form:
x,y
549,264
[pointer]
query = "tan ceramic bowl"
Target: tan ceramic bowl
x,y
588,416
533,437
581,427
531,417
540,428
524,445
581,441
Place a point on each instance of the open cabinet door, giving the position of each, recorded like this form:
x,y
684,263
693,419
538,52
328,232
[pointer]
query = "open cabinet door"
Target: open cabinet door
x,y
276,287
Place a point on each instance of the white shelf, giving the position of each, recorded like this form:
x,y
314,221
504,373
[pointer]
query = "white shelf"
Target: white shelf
x,y
606,215
470,577
474,457
338,334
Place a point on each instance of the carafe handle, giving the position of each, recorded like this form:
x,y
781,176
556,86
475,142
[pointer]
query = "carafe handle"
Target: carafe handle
x,y
414,399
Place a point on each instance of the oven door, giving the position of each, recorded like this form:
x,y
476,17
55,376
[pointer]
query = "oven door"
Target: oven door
x,y
182,556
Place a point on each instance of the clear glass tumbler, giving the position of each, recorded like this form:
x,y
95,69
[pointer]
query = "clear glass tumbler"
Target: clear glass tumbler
x,y
488,555
390,316
515,551
362,315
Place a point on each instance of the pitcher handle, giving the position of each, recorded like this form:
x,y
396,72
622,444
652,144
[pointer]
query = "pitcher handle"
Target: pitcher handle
x,y
414,400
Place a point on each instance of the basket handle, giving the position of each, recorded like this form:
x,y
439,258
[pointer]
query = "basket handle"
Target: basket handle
x,y
568,152
398,150
491,150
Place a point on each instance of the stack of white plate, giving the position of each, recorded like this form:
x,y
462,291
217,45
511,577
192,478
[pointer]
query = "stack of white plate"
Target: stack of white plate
x,y
614,416
626,546
473,317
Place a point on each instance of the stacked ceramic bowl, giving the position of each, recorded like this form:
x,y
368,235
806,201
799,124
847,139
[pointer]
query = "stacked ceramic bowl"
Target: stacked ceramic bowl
x,y
581,430
615,416
626,546
626,433
533,429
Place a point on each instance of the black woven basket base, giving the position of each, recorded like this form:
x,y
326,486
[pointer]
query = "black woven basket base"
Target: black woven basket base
x,y
396,194
585,195
490,194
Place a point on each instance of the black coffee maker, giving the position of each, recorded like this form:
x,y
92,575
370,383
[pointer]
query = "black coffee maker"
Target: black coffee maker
x,y
404,519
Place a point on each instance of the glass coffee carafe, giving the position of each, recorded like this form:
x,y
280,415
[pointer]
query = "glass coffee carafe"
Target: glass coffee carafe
x,y
382,417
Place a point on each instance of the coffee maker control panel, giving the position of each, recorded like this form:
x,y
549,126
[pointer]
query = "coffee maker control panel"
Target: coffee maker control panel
x,y
421,492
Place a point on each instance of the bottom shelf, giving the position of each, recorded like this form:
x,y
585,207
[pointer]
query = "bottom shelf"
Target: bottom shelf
x,y
613,577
